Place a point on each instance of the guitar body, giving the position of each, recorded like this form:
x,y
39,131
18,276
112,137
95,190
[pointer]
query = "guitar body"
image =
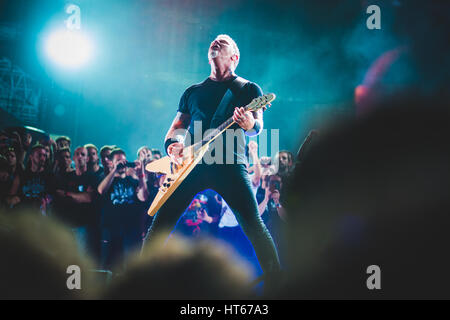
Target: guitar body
x,y
175,174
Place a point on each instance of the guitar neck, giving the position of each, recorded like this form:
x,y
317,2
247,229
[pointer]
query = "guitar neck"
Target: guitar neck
x,y
255,104
218,131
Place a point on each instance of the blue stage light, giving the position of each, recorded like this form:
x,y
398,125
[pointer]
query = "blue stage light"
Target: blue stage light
x,y
68,48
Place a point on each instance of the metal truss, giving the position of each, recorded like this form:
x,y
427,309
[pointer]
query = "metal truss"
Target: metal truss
x,y
19,93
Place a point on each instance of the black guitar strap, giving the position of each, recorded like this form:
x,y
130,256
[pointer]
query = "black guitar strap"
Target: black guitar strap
x,y
238,84
232,93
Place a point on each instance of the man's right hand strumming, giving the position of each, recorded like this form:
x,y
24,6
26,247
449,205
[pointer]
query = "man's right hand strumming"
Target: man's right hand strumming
x,y
176,135
175,152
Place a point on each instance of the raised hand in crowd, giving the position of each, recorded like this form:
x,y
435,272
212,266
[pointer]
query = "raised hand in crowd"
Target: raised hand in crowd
x,y
203,215
138,171
253,148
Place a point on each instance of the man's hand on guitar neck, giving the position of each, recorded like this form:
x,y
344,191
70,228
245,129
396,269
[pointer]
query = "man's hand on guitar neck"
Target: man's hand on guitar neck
x,y
244,118
175,152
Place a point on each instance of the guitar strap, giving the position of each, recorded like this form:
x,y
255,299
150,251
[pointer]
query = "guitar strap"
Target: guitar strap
x,y
232,92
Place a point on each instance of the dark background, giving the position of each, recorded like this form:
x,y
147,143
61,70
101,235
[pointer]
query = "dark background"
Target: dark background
x,y
312,54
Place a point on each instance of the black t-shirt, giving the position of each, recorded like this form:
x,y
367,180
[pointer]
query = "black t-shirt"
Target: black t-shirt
x,y
121,207
35,186
73,213
99,174
201,100
272,219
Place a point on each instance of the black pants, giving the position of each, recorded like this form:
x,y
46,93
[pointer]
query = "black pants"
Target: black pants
x,y
233,184
117,245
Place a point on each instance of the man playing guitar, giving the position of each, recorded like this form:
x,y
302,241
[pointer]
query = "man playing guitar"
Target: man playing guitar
x,y
211,102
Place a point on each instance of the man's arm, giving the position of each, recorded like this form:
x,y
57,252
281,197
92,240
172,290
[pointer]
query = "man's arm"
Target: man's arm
x,y
177,130
104,186
86,196
174,141
141,190
253,153
81,197
258,126
263,205
250,121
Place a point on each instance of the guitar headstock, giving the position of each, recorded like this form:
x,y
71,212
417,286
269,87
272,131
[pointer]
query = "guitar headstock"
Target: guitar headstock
x,y
261,102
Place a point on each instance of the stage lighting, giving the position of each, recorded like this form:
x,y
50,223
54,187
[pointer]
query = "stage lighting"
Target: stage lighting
x,y
68,48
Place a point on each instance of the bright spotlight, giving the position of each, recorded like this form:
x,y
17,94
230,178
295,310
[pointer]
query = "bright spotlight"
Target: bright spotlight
x,y
67,48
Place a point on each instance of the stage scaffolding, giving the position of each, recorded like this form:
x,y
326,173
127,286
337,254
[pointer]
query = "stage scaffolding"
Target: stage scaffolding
x,y
19,93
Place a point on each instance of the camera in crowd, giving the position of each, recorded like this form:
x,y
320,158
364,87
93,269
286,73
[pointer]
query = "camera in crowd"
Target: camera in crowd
x,y
128,164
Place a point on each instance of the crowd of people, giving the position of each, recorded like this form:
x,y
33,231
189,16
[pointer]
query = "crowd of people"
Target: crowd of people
x,y
103,198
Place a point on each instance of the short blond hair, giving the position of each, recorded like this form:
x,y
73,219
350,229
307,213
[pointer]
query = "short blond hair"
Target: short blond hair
x,y
233,45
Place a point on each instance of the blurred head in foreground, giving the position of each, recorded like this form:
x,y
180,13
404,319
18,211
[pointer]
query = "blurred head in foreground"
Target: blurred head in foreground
x,y
374,192
35,254
182,269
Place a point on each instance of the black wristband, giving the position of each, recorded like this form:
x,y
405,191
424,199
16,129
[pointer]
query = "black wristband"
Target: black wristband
x,y
255,130
168,142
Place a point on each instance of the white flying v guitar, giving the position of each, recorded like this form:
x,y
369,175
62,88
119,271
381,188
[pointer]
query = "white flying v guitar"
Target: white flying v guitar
x,y
176,173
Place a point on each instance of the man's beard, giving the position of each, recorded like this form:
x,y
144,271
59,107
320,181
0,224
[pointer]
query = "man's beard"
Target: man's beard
x,y
213,54
91,164
282,167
